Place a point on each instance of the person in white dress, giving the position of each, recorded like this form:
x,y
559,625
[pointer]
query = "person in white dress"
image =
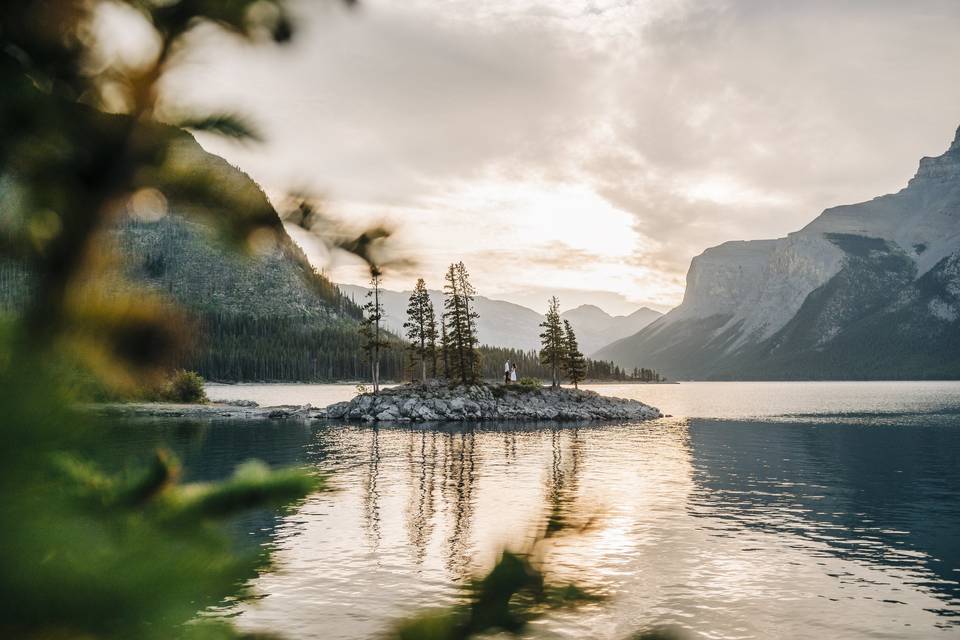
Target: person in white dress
x,y
513,373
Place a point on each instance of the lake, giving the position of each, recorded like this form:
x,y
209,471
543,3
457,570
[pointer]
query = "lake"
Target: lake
x,y
758,510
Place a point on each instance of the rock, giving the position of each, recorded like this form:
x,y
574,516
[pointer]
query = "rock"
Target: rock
x,y
434,402
249,404
337,410
425,414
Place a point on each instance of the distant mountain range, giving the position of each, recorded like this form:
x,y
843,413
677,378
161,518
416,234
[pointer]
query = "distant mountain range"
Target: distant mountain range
x,y
505,324
869,290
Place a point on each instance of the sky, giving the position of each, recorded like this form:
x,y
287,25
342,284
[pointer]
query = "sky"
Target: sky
x,y
585,149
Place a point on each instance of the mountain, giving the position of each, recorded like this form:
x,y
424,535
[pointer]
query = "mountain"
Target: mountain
x,y
265,316
596,328
501,323
869,290
505,324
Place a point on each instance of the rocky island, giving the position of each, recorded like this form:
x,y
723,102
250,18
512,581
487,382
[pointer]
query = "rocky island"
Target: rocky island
x,y
438,402
417,403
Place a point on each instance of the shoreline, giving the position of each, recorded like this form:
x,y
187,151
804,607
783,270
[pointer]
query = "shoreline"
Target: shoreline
x,y
413,403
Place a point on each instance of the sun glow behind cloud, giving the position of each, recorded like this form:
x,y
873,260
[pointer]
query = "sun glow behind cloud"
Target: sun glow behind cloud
x,y
591,148
512,235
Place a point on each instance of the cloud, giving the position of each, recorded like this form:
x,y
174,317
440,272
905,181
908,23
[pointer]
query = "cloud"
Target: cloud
x,y
674,125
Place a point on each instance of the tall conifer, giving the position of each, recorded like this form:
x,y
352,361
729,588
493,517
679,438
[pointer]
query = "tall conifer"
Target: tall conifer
x,y
445,347
574,364
552,341
432,337
470,317
459,324
419,310
374,339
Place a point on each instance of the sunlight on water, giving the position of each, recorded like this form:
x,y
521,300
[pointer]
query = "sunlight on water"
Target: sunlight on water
x,y
769,510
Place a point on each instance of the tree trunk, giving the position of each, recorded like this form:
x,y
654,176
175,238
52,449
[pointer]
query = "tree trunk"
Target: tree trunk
x,y
376,339
468,338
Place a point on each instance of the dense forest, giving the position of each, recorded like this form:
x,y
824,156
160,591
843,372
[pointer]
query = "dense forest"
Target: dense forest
x,y
529,365
240,347
267,318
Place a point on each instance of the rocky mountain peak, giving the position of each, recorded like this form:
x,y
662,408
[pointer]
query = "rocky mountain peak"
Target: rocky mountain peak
x,y
590,311
941,168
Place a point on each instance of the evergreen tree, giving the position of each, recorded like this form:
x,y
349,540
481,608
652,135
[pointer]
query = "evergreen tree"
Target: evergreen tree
x,y
432,337
374,338
453,323
574,364
445,347
459,325
419,310
470,317
552,342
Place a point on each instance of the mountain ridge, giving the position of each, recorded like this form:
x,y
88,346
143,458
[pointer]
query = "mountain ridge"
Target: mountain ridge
x,y
867,290
507,324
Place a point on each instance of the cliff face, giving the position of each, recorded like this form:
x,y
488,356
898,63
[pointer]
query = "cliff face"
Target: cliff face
x,y
864,291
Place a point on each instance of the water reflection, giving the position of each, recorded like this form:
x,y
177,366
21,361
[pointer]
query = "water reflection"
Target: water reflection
x,y
459,477
732,529
371,495
882,496
562,490
422,462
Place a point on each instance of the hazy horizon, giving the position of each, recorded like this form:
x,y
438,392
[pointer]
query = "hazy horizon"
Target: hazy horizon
x,y
584,149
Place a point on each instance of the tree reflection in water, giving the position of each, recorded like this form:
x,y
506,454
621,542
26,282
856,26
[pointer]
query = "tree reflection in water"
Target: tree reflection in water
x,y
371,494
459,478
421,507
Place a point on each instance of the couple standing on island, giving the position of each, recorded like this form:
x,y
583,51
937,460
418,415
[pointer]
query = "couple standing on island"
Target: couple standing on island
x,y
509,372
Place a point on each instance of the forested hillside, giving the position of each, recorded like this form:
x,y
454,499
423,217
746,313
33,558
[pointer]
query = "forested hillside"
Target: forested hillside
x,y
260,315
264,317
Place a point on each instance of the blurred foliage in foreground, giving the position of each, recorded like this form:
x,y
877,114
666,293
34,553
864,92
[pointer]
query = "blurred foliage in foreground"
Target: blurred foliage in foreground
x,y
512,594
181,387
129,551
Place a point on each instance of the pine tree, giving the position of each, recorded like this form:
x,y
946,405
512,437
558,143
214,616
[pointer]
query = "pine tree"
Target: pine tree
x,y
574,364
432,337
419,312
445,348
374,339
453,324
551,341
459,325
470,317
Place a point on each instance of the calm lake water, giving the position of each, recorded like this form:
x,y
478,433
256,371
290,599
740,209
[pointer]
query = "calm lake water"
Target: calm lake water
x,y
759,510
